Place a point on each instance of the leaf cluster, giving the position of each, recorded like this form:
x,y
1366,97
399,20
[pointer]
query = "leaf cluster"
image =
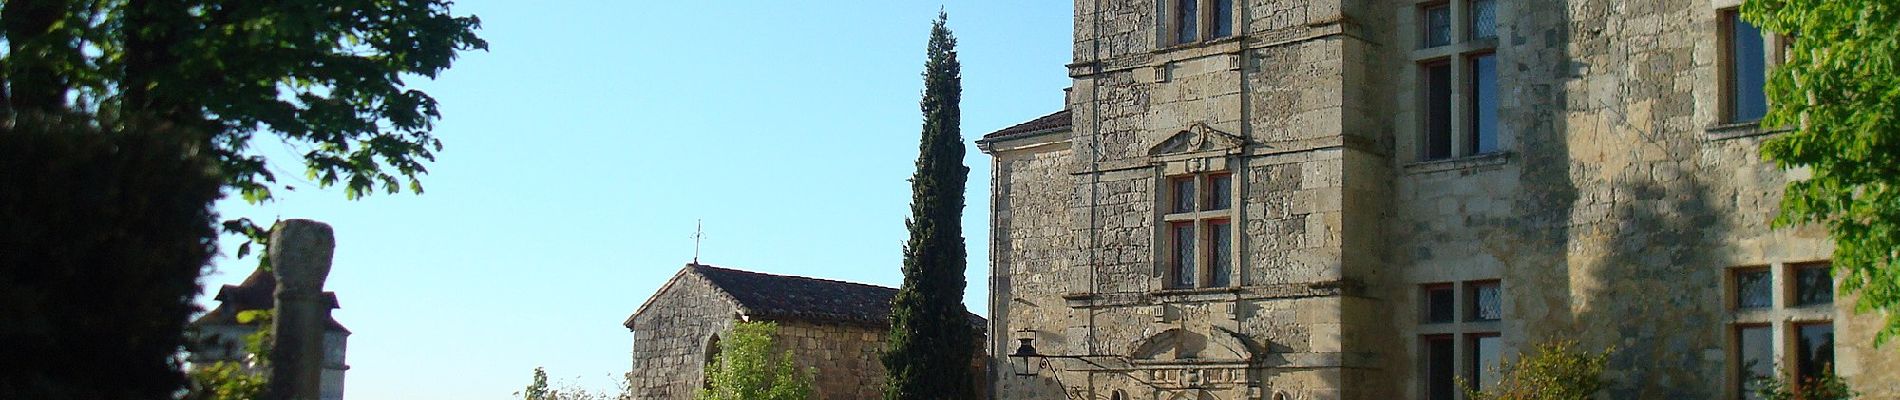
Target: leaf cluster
x,y
746,369
1839,92
1555,370
538,389
1786,386
232,380
102,239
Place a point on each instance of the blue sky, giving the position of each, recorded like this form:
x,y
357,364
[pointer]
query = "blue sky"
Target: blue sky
x,y
585,143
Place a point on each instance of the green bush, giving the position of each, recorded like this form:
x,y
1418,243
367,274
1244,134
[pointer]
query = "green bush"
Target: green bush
x,y
1554,371
746,370
102,237
1785,386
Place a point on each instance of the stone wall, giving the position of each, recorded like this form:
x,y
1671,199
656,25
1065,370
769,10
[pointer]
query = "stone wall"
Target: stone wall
x,y
1617,207
842,358
671,336
1613,212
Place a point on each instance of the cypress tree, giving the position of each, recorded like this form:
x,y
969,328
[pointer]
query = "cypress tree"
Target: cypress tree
x,y
932,342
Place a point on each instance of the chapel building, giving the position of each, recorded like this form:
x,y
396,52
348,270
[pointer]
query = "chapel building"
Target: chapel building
x,y
1374,199
835,330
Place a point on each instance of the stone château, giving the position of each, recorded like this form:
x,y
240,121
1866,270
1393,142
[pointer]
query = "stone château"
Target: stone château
x,y
1370,199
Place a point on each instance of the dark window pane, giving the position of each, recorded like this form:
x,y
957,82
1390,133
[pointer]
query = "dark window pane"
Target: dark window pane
x,y
1183,195
1752,289
1438,368
1484,19
1746,72
1484,361
1184,254
1484,104
1814,285
1184,20
1438,304
1223,19
1815,350
1756,359
1437,25
1219,191
1486,303
1221,239
1437,111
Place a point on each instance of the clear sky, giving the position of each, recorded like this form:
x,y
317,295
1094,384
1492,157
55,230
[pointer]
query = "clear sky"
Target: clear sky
x,y
583,145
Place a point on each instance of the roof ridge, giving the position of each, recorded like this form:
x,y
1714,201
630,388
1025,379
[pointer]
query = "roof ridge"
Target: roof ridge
x,y
789,276
1048,122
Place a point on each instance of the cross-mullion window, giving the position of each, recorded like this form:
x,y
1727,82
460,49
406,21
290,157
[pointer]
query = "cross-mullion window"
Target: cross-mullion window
x,y
1463,342
1457,80
1771,333
1193,21
1199,235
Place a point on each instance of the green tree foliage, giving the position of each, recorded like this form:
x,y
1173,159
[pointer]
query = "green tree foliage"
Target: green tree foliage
x,y
746,369
121,121
932,343
1554,371
232,380
538,388
1785,386
1840,92
102,237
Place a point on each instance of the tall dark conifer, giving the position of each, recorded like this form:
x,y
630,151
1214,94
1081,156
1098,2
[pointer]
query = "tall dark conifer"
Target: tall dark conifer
x,y
932,342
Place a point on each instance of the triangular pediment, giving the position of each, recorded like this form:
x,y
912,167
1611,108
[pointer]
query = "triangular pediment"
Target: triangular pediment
x,y
1197,138
1216,345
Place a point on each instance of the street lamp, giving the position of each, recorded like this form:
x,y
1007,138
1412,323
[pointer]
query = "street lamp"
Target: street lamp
x,y
1021,358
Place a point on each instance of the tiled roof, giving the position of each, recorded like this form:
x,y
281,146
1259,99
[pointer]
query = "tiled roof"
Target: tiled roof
x,y
769,296
257,292
1056,120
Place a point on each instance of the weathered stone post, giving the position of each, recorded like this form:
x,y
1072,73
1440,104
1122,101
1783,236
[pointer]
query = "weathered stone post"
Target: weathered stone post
x,y
300,251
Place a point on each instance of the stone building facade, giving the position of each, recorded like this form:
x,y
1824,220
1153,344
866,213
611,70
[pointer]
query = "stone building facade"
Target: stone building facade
x,y
219,336
834,329
1367,199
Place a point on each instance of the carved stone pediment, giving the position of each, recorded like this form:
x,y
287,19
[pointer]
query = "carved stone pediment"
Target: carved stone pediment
x,y
1177,345
1198,138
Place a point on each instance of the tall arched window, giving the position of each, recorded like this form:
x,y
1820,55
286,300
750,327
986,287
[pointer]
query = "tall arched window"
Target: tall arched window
x,y
712,358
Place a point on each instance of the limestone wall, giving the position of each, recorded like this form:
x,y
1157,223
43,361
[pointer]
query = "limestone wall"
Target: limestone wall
x,y
671,337
1616,208
1614,211
843,359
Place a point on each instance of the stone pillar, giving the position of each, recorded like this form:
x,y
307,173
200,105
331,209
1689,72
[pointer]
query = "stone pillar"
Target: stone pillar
x,y
300,251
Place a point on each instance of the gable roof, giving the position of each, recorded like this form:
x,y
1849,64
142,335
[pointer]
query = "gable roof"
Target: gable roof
x,y
258,292
765,296
1058,120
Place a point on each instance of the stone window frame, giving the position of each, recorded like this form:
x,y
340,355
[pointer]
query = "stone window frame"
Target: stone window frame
x,y
1459,55
1206,13
711,356
1783,316
1774,52
1201,170
1463,330
1727,64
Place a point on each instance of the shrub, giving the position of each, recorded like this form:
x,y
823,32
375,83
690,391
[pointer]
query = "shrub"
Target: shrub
x,y
1556,370
1785,386
746,370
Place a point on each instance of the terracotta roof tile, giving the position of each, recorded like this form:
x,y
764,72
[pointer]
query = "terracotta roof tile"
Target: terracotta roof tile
x,y
1056,120
257,292
795,297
